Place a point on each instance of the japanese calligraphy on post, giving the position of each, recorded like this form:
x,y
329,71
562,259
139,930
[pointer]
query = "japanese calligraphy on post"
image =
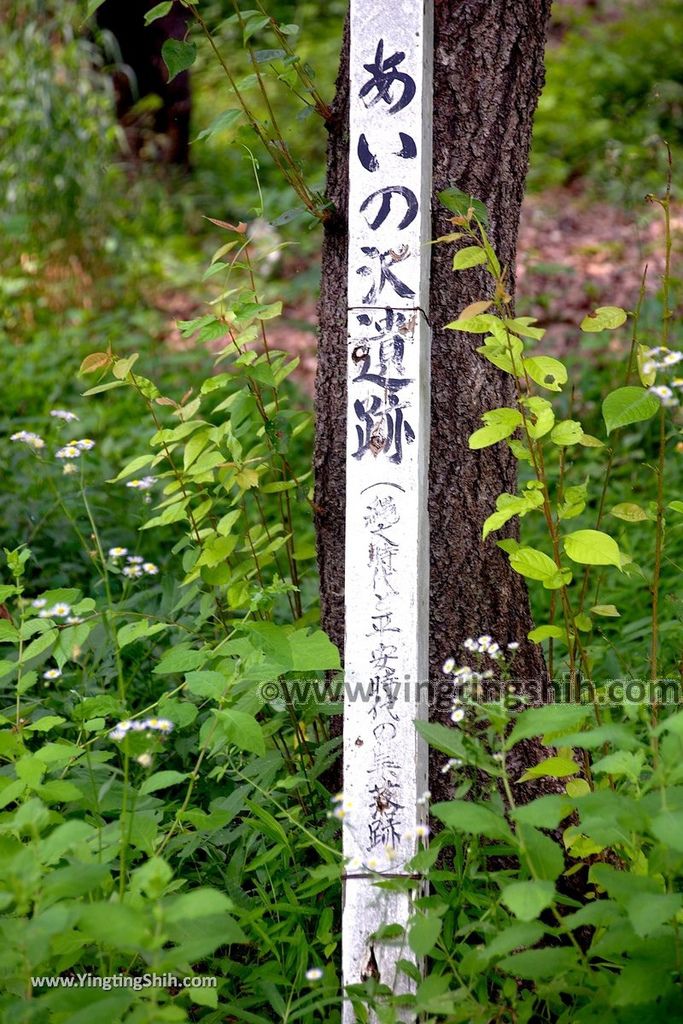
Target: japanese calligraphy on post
x,y
386,466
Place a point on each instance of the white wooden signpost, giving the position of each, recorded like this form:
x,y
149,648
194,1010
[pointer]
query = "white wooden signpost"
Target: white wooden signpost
x,y
387,540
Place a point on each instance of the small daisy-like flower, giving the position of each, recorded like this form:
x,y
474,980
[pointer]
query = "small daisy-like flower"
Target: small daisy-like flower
x,y
69,469
39,602
677,382
661,391
145,760
29,438
470,644
69,451
354,864
457,715
143,484
150,568
135,559
390,853
671,358
45,613
61,610
52,673
132,571
314,974
158,724
649,366
84,445
513,646
658,350
448,665
421,831
74,620
117,552
372,864
63,414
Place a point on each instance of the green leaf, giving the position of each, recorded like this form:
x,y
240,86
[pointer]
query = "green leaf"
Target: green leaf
x,y
480,323
552,767
527,900
542,416
541,633
566,432
538,964
311,650
592,547
543,855
676,506
160,11
137,630
440,737
605,318
545,811
180,659
500,423
207,684
241,729
460,203
178,56
648,911
628,405
470,256
93,5
536,565
465,816
514,937
629,512
162,780
608,610
549,373
423,933
551,720
224,122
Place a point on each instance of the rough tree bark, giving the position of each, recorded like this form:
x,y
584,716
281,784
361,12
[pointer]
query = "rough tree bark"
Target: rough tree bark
x,y
488,73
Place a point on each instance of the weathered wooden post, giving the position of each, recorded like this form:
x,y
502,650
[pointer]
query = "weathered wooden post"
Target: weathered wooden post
x,y
387,536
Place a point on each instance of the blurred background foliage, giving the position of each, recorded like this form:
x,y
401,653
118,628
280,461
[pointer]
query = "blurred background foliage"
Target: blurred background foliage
x,y
105,243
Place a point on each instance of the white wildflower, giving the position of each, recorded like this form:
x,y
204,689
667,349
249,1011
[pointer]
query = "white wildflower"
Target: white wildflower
x,y
143,484
52,673
29,438
85,444
60,610
145,760
69,451
457,715
314,974
63,414
117,552
661,391
38,602
150,568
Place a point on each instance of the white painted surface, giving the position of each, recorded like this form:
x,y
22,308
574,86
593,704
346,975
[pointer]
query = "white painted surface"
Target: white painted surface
x,y
387,544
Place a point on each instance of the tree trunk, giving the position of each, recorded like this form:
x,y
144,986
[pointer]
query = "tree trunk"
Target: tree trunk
x,y
141,73
488,73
